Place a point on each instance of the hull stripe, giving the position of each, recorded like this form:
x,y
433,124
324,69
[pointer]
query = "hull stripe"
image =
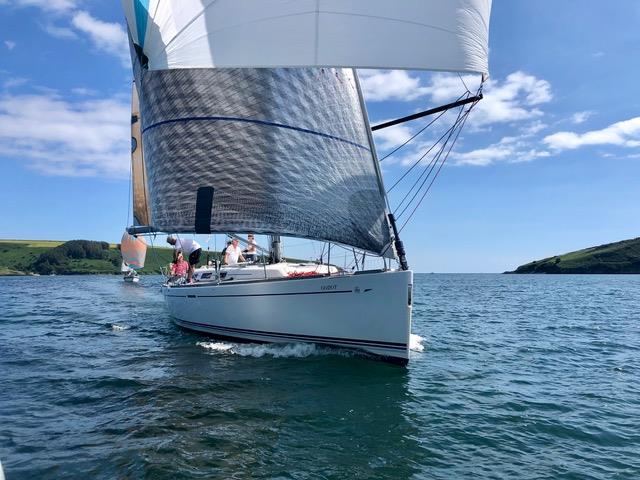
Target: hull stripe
x,y
260,294
308,338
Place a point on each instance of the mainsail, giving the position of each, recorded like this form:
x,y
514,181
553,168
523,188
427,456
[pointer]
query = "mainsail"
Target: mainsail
x,y
280,150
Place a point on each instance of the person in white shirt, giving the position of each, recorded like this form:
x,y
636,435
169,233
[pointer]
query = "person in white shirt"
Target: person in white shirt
x,y
189,248
233,254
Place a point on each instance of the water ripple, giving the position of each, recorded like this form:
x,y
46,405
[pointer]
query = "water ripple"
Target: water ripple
x,y
510,377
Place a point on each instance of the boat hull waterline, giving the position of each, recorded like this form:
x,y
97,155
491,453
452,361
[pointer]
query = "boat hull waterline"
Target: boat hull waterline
x,y
369,311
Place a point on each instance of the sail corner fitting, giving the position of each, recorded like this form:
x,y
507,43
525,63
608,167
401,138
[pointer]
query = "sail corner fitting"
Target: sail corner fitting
x,y
397,243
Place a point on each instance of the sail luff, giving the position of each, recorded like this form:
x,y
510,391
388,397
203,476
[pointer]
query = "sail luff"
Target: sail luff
x,y
388,252
140,193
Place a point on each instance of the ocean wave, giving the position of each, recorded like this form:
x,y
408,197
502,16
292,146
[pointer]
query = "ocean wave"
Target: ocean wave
x,y
415,343
275,350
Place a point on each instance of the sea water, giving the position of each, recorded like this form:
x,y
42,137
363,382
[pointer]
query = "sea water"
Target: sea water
x,y
510,377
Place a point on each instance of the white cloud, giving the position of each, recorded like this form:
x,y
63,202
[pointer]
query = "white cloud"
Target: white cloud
x,y
59,32
533,128
379,85
509,149
58,137
14,82
624,134
392,137
57,6
483,156
10,44
85,92
108,37
515,99
581,117
444,88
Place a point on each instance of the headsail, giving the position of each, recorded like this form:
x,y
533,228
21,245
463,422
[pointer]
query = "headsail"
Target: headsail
x,y
140,192
449,35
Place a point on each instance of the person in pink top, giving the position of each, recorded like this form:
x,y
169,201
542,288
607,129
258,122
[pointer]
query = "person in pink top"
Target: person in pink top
x,y
180,267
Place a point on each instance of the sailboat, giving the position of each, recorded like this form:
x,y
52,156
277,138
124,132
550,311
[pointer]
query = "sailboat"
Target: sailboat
x,y
129,274
133,250
252,119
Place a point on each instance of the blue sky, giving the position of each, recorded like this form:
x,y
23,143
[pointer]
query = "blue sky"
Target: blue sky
x,y
549,161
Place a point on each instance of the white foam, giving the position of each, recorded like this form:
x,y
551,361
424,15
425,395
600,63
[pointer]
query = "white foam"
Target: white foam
x,y
218,346
276,350
415,343
118,328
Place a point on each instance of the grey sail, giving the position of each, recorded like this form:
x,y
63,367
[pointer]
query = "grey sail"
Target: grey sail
x,y
282,151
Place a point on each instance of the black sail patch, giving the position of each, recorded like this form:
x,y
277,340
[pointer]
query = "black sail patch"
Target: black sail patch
x,y
204,205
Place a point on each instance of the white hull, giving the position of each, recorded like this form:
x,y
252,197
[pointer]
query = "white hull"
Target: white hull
x,y
369,311
129,279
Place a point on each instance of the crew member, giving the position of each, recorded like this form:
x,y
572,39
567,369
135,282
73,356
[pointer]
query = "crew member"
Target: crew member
x,y
233,255
190,248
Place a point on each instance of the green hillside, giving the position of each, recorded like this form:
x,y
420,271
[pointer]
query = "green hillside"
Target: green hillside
x,y
24,257
618,257
78,257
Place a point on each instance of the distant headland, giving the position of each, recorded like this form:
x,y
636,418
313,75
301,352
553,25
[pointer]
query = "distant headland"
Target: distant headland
x,y
75,257
618,257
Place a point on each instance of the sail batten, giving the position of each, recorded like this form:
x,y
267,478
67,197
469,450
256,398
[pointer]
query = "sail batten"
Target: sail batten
x,y
442,35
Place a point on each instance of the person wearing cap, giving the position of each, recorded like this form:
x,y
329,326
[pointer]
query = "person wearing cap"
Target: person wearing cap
x,y
190,248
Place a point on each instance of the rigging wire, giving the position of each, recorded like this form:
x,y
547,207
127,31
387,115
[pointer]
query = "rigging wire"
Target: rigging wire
x,y
155,255
417,162
440,168
463,83
420,131
429,167
452,135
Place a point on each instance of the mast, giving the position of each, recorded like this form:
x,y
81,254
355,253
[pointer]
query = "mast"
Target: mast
x,y
275,249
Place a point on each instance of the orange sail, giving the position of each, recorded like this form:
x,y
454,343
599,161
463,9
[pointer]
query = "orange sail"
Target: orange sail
x,y
133,250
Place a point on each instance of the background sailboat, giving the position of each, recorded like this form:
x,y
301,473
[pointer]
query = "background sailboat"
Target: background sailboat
x,y
133,250
249,122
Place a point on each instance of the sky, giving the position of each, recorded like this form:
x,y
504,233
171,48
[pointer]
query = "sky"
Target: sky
x,y
548,162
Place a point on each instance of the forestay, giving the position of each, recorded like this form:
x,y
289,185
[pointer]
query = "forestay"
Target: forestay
x,y
450,35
